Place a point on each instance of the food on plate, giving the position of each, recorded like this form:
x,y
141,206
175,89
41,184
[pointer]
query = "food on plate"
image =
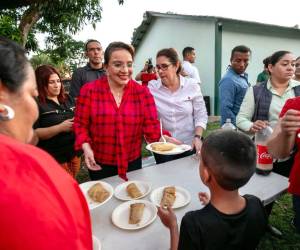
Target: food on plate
x,y
169,197
163,146
133,191
136,213
98,193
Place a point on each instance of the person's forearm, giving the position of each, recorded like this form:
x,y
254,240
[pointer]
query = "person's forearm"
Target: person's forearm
x,y
280,144
49,132
174,238
199,131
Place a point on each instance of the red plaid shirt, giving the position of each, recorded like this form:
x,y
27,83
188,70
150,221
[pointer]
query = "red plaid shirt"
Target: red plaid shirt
x,y
115,134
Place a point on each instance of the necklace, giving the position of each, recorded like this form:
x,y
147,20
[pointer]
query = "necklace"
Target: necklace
x,y
118,97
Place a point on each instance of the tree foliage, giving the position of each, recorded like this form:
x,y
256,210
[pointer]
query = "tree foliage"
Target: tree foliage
x,y
57,19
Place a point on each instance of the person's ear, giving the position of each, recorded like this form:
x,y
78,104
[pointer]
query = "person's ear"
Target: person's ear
x,y
206,175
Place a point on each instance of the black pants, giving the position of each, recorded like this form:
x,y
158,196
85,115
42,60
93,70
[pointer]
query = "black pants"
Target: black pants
x,y
282,168
164,158
111,170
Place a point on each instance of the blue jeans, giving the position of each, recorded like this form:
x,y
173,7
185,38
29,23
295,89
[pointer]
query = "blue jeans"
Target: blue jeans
x,y
296,206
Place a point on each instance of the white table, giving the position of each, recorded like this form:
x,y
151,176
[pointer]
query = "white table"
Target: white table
x,y
183,172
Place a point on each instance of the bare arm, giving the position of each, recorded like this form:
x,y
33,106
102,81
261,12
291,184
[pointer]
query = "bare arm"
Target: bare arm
x,y
49,132
282,140
168,218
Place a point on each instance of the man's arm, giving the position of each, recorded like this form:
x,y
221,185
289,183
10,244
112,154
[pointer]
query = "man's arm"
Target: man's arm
x,y
282,140
76,83
227,96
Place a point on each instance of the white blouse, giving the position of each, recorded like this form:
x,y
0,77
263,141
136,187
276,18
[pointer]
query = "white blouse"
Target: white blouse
x,y
180,111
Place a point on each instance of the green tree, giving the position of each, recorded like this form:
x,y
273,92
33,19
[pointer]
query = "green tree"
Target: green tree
x,y
51,17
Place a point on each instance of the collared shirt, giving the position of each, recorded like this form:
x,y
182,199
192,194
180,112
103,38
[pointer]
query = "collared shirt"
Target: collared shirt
x,y
115,133
248,106
54,212
232,89
181,111
294,187
191,70
82,76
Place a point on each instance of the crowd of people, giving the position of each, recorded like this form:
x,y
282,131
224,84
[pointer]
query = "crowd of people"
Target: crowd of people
x,y
105,119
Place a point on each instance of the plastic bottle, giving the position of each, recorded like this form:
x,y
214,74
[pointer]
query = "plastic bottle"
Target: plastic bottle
x,y
228,125
264,163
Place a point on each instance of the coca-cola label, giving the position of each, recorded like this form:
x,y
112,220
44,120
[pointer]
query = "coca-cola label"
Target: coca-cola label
x,y
263,156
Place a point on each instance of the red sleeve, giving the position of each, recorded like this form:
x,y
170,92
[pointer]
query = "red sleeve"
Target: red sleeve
x,y
82,117
151,123
293,103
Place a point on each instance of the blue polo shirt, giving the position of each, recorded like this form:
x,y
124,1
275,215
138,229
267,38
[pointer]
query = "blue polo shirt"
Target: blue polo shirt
x,y
232,89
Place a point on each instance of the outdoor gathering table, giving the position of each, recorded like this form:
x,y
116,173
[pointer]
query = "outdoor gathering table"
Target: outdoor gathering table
x,y
184,173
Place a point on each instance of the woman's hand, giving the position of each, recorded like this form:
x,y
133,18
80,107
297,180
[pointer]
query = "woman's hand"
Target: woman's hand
x,y
167,217
89,157
67,125
290,122
258,125
172,140
197,144
203,198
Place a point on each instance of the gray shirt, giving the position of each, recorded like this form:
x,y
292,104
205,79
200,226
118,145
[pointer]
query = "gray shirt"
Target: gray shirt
x,y
82,76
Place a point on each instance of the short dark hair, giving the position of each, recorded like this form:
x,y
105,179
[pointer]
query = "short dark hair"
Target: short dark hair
x,y
241,49
13,65
187,50
42,74
90,41
117,46
230,156
276,56
172,55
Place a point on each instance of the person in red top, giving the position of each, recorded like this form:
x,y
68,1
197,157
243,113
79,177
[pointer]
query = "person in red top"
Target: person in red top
x,y
284,139
41,205
112,115
147,74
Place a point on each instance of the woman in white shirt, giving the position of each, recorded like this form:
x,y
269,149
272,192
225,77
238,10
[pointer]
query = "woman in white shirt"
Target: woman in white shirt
x,y
179,103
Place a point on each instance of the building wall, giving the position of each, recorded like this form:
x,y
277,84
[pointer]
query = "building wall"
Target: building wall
x,y
261,45
179,33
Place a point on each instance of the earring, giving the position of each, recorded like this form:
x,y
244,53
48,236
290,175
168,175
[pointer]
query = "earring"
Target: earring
x,y
6,113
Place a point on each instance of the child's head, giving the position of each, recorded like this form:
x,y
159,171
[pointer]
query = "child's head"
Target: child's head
x,y
230,157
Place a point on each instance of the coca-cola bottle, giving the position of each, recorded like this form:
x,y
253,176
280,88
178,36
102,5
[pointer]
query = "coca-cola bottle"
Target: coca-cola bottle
x,y
264,163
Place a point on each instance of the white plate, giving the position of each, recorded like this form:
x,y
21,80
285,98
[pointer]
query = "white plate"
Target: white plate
x,y
175,151
120,215
183,197
96,243
86,186
121,193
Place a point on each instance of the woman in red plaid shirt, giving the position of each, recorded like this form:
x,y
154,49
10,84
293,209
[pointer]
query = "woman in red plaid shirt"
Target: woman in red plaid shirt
x,y
112,115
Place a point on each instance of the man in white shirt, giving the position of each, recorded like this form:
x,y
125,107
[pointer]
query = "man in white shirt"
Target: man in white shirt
x,y
189,70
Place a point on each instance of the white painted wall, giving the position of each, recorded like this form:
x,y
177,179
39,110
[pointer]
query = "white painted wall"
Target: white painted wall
x,y
261,47
179,33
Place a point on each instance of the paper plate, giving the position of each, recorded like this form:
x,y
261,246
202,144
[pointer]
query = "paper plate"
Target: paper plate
x,y
120,215
87,185
175,151
183,197
121,193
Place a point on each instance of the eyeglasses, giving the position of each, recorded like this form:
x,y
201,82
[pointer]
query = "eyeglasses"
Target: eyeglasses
x,y
54,81
119,65
163,67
